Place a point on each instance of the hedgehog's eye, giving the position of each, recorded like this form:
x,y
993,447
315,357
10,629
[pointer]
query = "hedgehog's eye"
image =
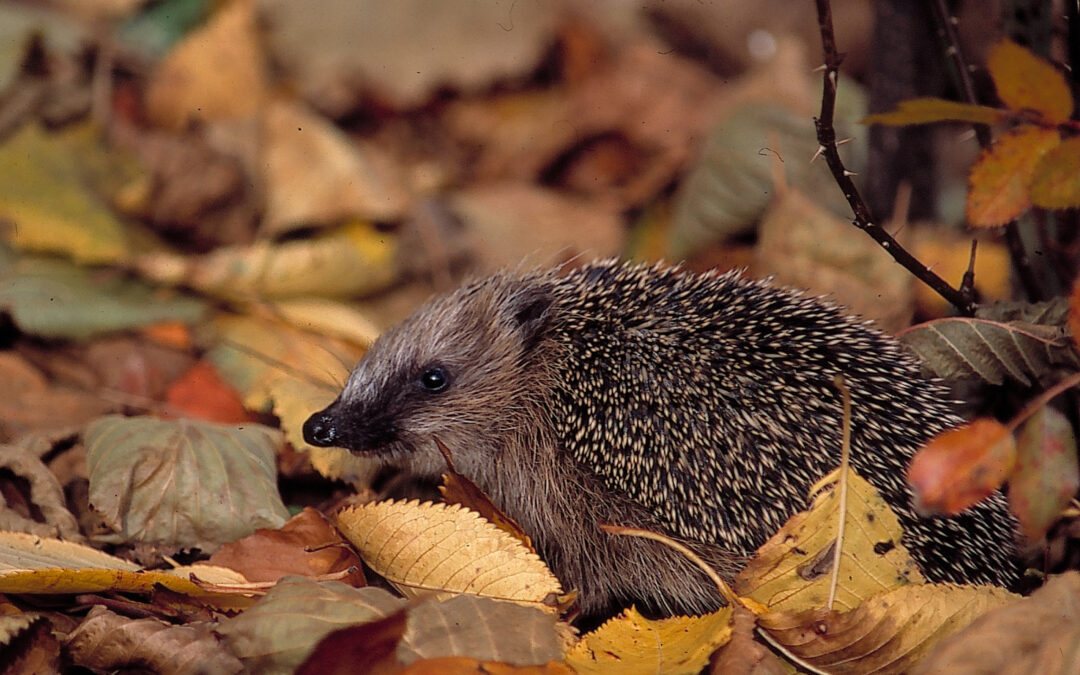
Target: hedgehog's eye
x,y
434,379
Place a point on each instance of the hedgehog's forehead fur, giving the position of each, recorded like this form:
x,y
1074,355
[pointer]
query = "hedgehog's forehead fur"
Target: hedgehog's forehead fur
x,y
469,332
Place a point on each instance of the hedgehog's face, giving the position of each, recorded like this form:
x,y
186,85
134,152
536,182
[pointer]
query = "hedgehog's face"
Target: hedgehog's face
x,y
452,371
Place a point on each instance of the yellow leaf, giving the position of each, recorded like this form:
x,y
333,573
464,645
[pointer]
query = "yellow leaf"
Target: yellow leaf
x,y
1056,181
924,110
1026,82
630,643
888,633
215,73
425,549
1000,181
793,570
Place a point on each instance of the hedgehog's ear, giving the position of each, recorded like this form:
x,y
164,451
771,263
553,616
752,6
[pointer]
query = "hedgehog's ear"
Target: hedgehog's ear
x,y
530,312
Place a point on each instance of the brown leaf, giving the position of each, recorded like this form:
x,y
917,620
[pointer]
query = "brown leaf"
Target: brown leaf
x,y
960,467
200,393
29,644
1055,184
106,641
30,403
924,110
886,634
743,654
1000,181
269,555
1026,82
368,648
1047,473
1039,634
42,509
1074,313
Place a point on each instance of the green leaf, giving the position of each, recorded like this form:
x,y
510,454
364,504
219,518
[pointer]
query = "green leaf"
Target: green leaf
x,y
181,482
55,298
926,110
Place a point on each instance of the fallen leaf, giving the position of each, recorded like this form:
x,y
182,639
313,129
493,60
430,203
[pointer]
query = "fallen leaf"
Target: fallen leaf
x,y
215,73
960,467
183,483
630,643
1026,82
200,393
282,628
439,550
307,545
888,633
106,641
793,570
1000,181
44,504
1038,634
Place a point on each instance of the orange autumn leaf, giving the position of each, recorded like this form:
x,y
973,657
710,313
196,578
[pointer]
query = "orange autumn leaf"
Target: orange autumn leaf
x,y
1055,183
200,393
1046,475
1026,82
925,110
1000,181
175,334
960,467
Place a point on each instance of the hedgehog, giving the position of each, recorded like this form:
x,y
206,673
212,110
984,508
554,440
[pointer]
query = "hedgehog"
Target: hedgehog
x,y
701,406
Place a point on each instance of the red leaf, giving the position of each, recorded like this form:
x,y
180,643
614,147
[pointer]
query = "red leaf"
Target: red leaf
x,y
960,467
200,393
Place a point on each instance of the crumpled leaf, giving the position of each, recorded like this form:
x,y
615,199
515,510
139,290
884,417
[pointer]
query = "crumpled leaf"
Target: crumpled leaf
x,y
793,569
354,259
438,550
630,643
993,351
1055,183
29,644
1047,472
925,110
960,467
47,199
1026,82
281,629
1000,181
203,77
58,299
480,628
888,633
46,496
1038,634
32,404
183,483
106,641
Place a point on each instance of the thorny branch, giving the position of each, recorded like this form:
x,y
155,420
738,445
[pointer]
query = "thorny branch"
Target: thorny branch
x,y
826,134
1017,252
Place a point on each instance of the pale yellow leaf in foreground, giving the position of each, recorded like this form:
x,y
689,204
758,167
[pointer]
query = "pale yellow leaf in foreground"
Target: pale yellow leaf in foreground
x,y
886,634
426,548
38,565
631,643
793,570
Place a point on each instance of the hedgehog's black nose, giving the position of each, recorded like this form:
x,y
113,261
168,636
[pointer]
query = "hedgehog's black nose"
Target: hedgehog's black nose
x,y
320,430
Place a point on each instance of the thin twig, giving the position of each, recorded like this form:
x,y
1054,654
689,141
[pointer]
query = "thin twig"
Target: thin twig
x,y
1017,252
826,134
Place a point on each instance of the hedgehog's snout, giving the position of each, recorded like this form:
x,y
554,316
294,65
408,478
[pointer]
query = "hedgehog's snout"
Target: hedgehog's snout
x,y
321,430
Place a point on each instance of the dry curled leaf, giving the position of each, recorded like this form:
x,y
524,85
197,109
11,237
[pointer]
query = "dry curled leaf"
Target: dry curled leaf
x,y
425,548
107,641
888,633
1039,634
633,644
960,467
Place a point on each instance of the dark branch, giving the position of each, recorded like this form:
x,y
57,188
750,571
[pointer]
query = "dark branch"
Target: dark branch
x,y
826,134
